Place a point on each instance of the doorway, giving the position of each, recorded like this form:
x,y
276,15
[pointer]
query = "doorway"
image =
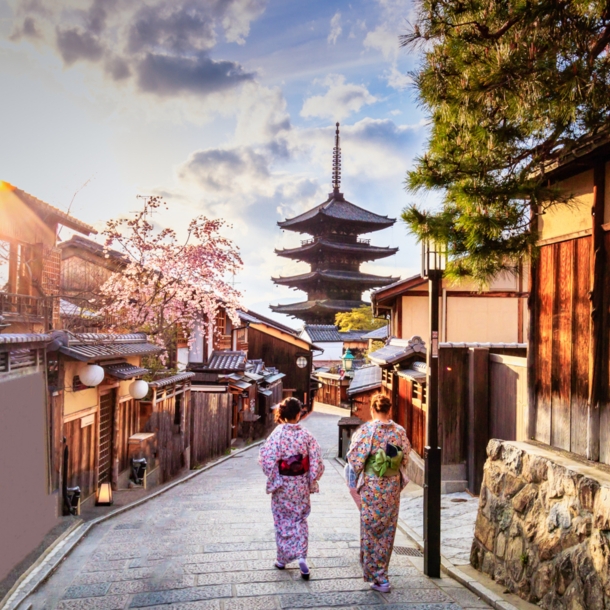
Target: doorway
x,y
104,468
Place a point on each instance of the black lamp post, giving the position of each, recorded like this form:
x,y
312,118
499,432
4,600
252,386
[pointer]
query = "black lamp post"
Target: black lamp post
x,y
434,257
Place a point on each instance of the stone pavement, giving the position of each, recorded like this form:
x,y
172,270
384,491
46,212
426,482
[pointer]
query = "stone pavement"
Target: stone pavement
x,y
458,516
209,545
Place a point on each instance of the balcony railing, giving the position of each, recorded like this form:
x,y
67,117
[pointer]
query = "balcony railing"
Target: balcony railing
x,y
366,242
23,306
307,242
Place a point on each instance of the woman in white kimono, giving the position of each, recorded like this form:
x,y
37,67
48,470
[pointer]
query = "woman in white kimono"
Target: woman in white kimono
x,y
291,459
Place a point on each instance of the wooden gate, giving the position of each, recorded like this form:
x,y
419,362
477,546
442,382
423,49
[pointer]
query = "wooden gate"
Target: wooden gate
x,y
211,414
104,468
508,397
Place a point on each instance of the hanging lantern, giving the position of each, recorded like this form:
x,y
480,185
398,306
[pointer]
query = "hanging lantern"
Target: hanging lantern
x,y
138,389
91,374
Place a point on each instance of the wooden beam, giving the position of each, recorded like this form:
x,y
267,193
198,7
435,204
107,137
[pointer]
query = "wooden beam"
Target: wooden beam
x,y
478,416
597,313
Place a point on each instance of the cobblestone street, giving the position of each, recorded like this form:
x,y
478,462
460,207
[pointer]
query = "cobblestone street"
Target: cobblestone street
x,y
209,545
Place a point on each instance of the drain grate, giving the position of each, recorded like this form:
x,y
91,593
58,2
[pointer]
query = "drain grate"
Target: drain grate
x,y
407,550
129,526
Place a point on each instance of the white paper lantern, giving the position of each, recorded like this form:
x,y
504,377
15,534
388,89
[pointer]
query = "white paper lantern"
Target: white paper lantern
x,y
91,374
138,389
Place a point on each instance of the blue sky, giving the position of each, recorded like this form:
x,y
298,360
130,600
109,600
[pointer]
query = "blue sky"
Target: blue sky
x,y
226,107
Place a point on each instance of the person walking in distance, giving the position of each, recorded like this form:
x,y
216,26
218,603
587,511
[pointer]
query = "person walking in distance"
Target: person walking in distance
x,y
378,455
291,459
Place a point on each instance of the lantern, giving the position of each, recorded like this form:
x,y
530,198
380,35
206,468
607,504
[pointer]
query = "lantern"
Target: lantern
x,y
138,389
91,374
434,257
348,359
104,495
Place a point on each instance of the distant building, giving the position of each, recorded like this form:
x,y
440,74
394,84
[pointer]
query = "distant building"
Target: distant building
x,y
334,343
335,253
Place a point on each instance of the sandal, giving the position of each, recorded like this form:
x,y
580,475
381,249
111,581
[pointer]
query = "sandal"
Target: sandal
x,y
279,566
383,587
304,569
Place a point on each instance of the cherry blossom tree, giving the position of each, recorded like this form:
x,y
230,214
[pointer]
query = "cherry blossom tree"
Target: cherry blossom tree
x,y
169,286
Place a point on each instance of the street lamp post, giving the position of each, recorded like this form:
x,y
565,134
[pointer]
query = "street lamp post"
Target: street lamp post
x,y
434,256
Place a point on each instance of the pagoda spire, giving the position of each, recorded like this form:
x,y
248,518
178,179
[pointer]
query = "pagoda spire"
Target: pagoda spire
x,y
336,162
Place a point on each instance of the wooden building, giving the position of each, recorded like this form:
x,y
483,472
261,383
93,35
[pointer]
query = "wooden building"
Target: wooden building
x,y
30,261
259,338
97,422
364,385
334,343
166,413
569,341
332,387
467,313
334,253
477,382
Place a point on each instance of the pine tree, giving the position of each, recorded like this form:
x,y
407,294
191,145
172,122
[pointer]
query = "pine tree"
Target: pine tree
x,y
510,87
360,318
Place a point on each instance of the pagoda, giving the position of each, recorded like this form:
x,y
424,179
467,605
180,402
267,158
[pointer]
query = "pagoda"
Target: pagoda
x,y
335,253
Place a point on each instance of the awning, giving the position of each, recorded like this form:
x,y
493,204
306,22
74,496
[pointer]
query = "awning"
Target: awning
x,y
265,392
275,377
124,370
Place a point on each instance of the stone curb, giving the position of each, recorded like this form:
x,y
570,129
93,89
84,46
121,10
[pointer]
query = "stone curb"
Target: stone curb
x,y
62,547
480,590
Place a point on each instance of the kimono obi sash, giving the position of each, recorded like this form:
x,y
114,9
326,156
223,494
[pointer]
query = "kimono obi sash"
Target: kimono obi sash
x,y
384,463
294,466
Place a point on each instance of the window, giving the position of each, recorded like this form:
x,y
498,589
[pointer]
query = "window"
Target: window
x,y
5,251
178,409
301,362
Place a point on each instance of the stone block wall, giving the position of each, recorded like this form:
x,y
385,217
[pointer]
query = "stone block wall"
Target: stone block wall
x,y
543,527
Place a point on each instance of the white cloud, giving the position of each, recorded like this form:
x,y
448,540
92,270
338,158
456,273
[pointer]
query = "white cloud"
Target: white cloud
x,y
383,39
335,28
398,80
341,99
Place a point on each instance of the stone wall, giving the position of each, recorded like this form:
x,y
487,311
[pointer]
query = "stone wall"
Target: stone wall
x,y
543,527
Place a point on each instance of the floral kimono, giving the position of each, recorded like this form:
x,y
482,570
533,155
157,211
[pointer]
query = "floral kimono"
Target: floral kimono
x,y
290,494
380,495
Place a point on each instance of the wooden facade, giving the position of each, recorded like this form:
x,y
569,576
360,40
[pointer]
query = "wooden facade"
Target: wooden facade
x,y
30,261
569,340
211,419
482,392
168,415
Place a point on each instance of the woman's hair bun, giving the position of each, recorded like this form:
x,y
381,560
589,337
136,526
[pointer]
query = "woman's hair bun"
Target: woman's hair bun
x,y
288,409
380,403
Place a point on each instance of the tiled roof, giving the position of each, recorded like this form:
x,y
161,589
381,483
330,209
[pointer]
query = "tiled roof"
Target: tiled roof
x,y
14,338
417,373
397,350
324,333
338,208
378,333
324,304
226,360
172,379
97,338
362,251
46,211
336,275
88,352
365,378
256,318
66,308
274,377
77,241
124,370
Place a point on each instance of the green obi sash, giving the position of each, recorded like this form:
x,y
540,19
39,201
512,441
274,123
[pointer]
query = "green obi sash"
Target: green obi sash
x,y
383,466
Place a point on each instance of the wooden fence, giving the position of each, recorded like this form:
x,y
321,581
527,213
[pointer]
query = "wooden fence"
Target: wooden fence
x,y
211,417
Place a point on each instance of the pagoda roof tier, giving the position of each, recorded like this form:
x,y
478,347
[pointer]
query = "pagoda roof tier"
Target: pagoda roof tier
x,y
322,308
349,217
361,250
333,276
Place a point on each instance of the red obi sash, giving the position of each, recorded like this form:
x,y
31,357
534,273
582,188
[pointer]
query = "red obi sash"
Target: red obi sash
x,y
294,466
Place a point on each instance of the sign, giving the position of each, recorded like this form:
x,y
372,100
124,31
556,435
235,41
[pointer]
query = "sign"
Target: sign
x,y
434,346
341,374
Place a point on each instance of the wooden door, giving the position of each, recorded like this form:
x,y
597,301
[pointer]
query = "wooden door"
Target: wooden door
x,y
104,468
418,428
403,404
